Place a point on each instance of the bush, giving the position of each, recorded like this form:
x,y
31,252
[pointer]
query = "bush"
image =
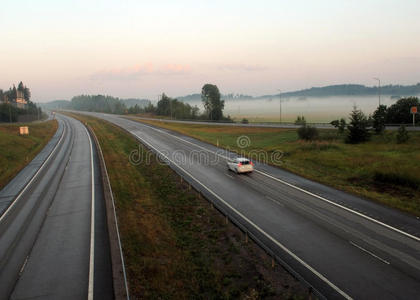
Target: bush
x,y
340,124
402,135
244,121
300,120
307,133
379,119
399,113
335,123
358,127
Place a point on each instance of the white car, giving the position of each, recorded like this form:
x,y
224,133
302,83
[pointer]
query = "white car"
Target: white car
x,y
241,165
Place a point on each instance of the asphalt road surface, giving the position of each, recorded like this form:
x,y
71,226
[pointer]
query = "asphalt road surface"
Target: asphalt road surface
x,y
53,235
342,245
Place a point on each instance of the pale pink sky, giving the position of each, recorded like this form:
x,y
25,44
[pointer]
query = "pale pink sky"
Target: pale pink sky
x,y
139,49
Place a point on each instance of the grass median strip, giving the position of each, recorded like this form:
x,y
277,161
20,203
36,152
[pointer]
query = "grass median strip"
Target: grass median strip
x,y
18,150
381,169
175,245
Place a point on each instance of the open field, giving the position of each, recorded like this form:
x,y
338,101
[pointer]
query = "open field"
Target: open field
x,y
17,151
381,169
175,245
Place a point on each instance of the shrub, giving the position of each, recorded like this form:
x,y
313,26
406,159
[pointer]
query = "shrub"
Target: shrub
x,y
399,113
335,123
244,121
358,127
379,119
402,135
340,124
300,120
307,132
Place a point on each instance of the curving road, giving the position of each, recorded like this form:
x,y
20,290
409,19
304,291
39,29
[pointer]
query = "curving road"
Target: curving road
x,y
342,245
53,235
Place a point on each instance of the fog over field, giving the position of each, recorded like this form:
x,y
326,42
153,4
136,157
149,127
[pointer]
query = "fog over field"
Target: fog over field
x,y
315,109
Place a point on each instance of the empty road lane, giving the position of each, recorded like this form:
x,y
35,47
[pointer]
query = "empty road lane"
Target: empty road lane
x,y
53,236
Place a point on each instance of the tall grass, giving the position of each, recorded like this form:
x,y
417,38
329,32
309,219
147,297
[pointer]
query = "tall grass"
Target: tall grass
x,y
16,151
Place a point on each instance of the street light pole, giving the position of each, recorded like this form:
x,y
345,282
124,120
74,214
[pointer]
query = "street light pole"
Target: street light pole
x,y
379,91
279,104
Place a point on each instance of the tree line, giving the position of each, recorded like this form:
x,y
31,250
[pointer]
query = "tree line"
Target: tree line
x,y
166,106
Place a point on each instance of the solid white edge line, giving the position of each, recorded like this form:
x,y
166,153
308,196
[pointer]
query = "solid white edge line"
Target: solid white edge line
x,y
370,253
341,206
298,188
92,225
33,177
319,275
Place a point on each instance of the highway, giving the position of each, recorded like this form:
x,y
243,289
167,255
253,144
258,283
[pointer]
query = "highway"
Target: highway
x,y
53,233
342,245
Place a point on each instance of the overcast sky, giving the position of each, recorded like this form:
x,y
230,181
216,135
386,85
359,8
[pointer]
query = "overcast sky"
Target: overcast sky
x,y
134,48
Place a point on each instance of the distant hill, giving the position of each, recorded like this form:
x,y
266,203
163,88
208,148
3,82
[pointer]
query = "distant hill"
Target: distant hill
x,y
197,97
192,97
330,90
353,90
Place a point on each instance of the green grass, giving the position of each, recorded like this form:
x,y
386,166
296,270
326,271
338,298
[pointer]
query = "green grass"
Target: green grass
x,y
17,150
175,245
380,170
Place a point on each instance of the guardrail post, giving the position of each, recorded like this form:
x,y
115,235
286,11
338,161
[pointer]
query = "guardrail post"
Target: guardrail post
x,y
246,237
181,179
226,220
272,262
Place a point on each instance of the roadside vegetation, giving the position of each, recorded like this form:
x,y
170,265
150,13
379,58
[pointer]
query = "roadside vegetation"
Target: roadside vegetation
x,y
18,150
175,245
12,108
384,169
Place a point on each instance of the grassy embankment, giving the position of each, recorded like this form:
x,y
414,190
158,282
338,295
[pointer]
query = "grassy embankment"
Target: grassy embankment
x,y
175,245
16,151
380,169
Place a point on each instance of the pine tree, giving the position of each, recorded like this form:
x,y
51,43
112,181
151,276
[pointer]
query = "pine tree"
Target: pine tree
x,y
358,127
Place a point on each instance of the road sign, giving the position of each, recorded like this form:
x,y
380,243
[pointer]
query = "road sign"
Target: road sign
x,y
23,130
413,112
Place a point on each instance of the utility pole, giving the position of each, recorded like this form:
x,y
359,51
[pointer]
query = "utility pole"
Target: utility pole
x,y
280,104
379,90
